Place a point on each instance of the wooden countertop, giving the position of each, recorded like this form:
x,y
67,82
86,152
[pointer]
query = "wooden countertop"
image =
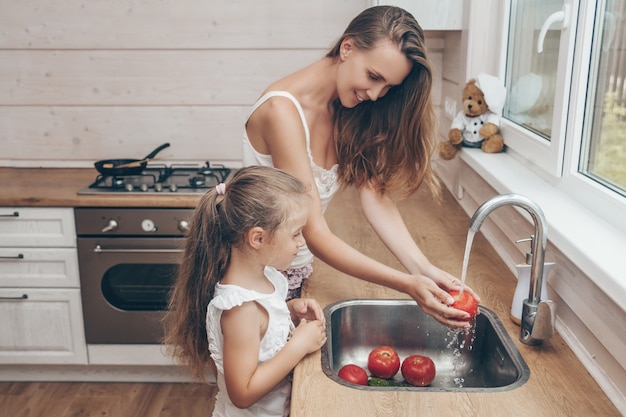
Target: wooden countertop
x,y
58,187
559,385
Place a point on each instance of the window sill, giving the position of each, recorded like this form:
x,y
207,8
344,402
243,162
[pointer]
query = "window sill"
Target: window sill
x,y
591,243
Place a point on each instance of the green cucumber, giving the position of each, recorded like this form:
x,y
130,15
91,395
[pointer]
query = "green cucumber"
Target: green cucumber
x,y
380,382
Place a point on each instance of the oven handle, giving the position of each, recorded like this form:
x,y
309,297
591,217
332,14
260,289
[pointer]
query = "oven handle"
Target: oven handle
x,y
100,249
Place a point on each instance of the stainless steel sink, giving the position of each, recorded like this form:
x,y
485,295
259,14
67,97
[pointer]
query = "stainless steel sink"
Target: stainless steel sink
x,y
484,359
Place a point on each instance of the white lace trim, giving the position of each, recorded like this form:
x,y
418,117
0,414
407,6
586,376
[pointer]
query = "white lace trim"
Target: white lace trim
x,y
280,327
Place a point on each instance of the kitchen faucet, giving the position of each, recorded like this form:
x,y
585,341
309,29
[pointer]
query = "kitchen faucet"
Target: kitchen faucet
x,y
538,316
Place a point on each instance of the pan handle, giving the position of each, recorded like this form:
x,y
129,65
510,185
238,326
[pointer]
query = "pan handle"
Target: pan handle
x,y
156,151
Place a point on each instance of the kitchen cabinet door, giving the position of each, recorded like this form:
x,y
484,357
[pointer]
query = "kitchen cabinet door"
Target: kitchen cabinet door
x,y
41,326
37,227
38,267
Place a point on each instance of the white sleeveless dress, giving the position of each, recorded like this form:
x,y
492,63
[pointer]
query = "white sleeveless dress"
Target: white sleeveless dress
x,y
279,331
325,179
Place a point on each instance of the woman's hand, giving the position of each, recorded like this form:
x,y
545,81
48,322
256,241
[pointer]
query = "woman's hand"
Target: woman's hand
x,y
448,282
429,285
431,293
305,308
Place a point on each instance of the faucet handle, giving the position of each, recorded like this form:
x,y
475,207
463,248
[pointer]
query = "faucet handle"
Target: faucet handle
x,y
529,254
545,318
526,239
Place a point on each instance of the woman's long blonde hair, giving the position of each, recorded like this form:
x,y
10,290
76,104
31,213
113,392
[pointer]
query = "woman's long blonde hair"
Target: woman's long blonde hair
x,y
389,142
256,196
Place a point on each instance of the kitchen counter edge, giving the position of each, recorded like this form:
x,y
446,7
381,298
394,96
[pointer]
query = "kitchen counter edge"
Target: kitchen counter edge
x,y
58,187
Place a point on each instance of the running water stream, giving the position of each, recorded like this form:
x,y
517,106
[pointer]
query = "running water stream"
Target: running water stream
x,y
468,248
462,339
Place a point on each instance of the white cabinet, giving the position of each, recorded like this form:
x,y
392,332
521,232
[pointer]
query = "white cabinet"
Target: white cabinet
x,y
38,267
37,227
432,15
40,305
41,326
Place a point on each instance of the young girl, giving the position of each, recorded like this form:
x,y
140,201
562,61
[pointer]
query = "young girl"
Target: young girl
x,y
239,234
361,116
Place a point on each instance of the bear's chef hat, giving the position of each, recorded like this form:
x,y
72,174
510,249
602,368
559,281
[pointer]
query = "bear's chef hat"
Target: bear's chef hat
x,y
494,91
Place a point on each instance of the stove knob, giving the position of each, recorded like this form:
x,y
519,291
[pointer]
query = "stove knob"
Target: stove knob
x,y
173,188
183,226
143,187
129,187
110,227
148,226
158,187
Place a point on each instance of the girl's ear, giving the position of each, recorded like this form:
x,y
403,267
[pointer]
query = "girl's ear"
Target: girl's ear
x,y
256,237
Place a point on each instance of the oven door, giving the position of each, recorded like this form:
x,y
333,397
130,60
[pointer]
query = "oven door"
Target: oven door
x,y
125,284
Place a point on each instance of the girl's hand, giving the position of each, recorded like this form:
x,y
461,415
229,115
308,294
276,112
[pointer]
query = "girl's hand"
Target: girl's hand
x,y
309,335
305,308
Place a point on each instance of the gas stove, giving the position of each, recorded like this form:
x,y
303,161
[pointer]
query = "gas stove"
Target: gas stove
x,y
157,178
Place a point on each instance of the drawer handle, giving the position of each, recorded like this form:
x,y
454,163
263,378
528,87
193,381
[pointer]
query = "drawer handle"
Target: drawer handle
x,y
14,214
21,297
18,256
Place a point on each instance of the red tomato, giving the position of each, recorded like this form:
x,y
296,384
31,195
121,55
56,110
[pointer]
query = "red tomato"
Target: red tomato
x,y
354,374
418,370
383,362
466,302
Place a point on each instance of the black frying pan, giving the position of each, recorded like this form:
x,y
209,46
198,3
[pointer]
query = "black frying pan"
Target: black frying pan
x,y
118,167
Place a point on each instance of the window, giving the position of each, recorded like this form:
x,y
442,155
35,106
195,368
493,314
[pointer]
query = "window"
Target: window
x,y
603,154
532,79
566,109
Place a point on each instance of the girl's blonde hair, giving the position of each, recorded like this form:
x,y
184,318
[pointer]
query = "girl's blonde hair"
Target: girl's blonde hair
x,y
389,142
255,197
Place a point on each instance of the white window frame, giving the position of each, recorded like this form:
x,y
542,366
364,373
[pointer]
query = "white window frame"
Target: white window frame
x,y
536,150
557,161
585,221
596,197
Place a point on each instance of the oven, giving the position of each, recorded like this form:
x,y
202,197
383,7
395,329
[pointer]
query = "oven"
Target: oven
x,y
128,259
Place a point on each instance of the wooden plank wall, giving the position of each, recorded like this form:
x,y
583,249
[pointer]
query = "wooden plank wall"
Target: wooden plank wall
x,y
87,80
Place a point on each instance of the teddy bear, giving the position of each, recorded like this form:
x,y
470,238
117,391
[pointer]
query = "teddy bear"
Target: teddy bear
x,y
477,125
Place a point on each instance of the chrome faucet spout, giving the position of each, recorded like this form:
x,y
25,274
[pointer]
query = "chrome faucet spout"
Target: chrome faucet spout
x,y
531,305
539,242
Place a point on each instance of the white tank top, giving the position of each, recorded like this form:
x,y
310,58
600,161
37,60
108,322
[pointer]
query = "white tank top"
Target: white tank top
x,y
279,330
325,179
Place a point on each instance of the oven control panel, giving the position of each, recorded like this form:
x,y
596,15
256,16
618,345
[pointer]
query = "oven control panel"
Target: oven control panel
x,y
132,221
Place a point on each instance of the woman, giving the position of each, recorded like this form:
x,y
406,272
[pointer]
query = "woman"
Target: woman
x,y
360,116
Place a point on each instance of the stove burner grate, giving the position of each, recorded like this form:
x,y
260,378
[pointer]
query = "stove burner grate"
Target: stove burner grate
x,y
162,178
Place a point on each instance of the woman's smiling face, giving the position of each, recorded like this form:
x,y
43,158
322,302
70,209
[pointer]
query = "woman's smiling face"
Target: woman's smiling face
x,y
368,74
